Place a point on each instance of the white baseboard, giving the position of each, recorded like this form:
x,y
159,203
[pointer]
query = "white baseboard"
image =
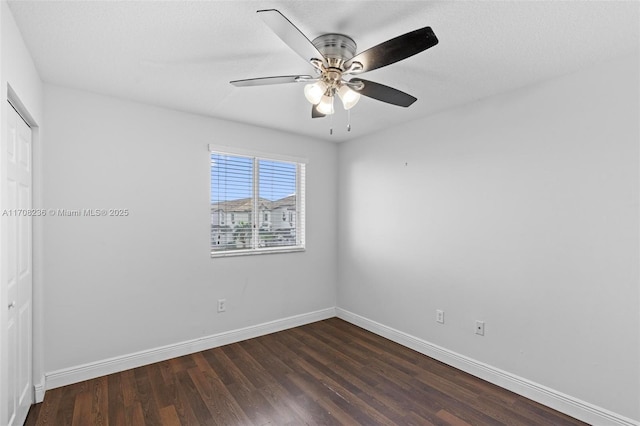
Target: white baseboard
x,y
38,390
92,370
551,398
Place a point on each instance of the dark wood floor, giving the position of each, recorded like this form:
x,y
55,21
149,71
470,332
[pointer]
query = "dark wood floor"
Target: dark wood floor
x,y
326,373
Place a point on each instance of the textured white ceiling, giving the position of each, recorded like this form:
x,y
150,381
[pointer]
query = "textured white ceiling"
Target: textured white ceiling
x,y
182,54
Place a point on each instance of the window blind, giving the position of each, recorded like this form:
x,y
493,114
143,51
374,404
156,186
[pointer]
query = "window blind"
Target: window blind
x,y
257,204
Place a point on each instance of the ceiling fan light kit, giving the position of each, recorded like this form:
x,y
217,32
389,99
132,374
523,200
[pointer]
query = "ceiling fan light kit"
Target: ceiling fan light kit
x,y
335,49
333,57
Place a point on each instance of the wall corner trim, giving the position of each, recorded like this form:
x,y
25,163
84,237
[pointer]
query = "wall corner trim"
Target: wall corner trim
x,y
551,398
92,370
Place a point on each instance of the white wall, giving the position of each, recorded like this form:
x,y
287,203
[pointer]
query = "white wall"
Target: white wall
x,y
520,210
17,70
120,285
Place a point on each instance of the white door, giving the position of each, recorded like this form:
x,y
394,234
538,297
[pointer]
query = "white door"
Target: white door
x,y
18,268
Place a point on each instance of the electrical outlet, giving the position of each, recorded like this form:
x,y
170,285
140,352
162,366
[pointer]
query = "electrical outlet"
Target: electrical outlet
x,y
222,305
480,328
440,316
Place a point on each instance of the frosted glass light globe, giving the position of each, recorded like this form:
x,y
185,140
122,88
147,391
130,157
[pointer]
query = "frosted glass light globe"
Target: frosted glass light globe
x,y
349,97
314,91
326,105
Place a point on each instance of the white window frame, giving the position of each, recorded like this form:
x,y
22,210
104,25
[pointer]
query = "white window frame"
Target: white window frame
x,y
300,221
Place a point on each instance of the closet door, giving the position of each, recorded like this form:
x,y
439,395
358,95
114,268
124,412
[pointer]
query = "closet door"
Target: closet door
x,y
17,229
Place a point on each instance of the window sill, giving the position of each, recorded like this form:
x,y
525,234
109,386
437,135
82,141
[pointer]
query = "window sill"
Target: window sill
x,y
252,252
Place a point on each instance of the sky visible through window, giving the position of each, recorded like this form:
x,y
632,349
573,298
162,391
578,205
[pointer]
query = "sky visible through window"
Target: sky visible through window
x,y
232,178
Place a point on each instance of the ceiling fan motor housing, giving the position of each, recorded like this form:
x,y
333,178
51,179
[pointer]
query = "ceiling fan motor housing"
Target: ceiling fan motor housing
x,y
337,48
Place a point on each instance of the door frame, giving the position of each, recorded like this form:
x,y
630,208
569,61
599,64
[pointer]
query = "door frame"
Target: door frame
x,y
37,376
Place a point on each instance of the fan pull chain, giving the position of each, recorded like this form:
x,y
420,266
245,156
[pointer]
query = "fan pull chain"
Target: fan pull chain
x,y
348,120
331,123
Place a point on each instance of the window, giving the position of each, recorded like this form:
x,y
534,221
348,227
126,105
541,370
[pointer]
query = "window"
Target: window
x,y
246,186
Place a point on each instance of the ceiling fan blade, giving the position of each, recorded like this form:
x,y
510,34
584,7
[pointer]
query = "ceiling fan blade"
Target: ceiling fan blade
x,y
290,34
384,93
315,113
395,50
264,81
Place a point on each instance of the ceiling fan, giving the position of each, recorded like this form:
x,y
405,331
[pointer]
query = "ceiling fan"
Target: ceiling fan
x,y
333,56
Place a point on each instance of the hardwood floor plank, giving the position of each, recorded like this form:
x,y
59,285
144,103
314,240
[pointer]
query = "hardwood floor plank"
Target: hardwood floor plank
x,y
170,393
288,404
129,391
145,395
345,365
281,393
64,415
451,419
82,409
254,405
193,399
100,401
268,360
253,401
32,415
136,416
115,400
219,401
169,416
251,368
412,419
334,399
44,413
181,404
166,370
325,373
323,369
363,412
202,364
290,352
182,363
160,389
330,412
537,413
227,371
